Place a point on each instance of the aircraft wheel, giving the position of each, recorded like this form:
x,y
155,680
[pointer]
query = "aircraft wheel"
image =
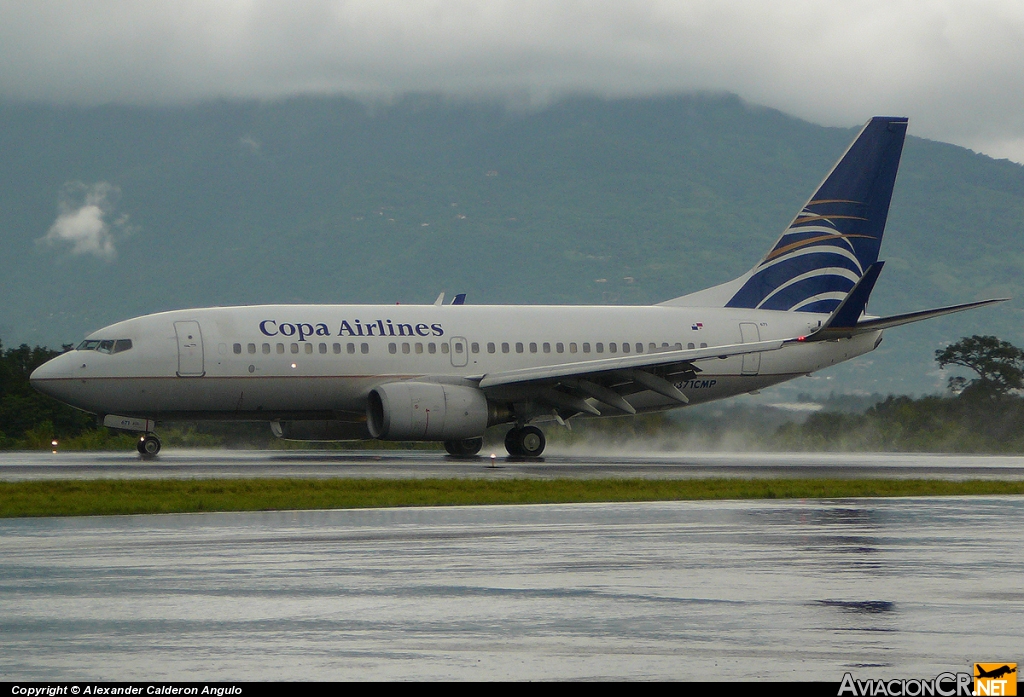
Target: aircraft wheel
x,y
148,445
530,441
512,442
466,447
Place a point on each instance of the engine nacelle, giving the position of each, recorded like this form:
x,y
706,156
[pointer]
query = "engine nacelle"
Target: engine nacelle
x,y
319,430
426,411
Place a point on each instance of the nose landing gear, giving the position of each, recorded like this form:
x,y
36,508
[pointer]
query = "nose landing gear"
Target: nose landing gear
x,y
148,446
527,441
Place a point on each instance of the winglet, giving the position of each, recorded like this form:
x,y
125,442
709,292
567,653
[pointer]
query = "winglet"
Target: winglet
x,y
459,299
440,299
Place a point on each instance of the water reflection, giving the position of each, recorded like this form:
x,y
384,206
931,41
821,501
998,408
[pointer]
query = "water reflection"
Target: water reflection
x,y
759,589
863,607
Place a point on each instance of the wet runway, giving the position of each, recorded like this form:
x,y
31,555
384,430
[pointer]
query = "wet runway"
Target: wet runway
x,y
690,590
185,464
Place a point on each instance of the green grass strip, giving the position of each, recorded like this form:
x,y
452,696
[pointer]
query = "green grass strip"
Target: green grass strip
x,y
134,496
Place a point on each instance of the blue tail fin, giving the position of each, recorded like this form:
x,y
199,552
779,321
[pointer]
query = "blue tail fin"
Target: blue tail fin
x,y
836,236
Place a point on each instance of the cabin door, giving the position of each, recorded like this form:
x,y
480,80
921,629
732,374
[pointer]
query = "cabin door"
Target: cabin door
x,y
190,350
751,361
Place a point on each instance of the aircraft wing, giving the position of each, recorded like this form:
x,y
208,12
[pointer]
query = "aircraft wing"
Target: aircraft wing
x,y
606,380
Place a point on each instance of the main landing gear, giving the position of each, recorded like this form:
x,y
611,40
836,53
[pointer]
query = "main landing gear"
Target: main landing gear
x,y
527,441
467,447
148,445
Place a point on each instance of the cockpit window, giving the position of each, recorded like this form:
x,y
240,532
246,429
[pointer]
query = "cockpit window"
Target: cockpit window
x,y
105,345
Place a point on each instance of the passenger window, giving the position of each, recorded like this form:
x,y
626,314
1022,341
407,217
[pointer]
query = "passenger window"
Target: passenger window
x,y
639,347
336,348
444,348
519,347
691,345
431,347
419,347
323,348
364,348
572,347
652,347
237,348
546,347
599,347
625,347
392,348
490,347
406,348
351,348
474,347
560,347
703,345
309,348
677,346
613,347
122,345
251,348
533,347
664,344
295,348
280,348
266,348
458,347
586,347
504,347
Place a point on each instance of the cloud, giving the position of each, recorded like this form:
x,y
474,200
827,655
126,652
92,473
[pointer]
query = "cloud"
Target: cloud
x,y
81,223
956,68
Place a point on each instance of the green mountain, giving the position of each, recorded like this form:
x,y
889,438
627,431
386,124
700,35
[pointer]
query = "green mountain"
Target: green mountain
x,y
582,201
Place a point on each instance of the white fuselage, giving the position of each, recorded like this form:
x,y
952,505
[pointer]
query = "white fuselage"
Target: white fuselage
x,y
320,361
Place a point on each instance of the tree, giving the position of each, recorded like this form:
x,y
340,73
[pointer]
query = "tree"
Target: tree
x,y
999,365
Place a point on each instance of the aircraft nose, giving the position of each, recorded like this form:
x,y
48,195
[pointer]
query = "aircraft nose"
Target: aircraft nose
x,y
48,377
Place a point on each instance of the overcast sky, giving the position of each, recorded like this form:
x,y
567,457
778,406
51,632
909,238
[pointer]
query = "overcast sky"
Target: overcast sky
x,y
955,68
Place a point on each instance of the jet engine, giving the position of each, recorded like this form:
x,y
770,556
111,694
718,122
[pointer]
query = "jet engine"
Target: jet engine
x,y
426,411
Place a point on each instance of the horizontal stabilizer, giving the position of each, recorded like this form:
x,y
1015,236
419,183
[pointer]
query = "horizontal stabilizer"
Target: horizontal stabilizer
x,y
872,325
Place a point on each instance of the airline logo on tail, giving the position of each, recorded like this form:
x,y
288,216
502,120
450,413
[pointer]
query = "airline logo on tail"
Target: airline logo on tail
x,y
836,235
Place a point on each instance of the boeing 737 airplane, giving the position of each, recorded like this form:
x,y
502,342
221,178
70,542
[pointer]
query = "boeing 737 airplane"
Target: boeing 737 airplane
x,y
448,372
